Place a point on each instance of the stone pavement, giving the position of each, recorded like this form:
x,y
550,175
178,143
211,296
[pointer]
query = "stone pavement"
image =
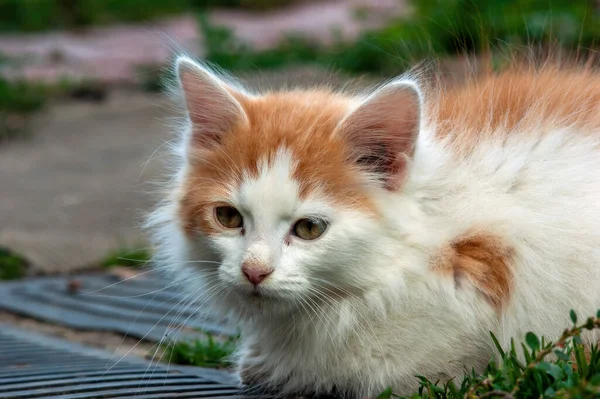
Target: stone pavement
x,y
70,193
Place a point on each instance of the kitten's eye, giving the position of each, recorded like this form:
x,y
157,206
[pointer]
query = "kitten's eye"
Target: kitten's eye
x,y
308,229
229,217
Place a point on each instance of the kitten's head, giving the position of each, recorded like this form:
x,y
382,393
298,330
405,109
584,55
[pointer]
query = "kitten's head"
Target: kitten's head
x,y
284,190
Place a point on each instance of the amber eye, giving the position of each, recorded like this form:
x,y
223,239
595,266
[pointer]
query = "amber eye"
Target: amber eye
x,y
309,229
229,217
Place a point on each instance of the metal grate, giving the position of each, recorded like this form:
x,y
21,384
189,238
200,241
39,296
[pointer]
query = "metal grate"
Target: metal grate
x,y
143,307
35,366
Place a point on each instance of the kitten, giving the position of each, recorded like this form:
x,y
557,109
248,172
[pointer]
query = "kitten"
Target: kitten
x,y
360,240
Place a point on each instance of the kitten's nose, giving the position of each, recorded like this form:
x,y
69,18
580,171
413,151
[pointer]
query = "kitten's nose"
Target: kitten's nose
x,y
256,272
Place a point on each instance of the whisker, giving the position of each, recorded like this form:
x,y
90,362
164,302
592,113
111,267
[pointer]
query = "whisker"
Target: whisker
x,y
152,269
134,321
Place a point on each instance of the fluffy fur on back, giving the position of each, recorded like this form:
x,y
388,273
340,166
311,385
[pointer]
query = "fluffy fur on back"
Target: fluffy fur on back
x,y
437,217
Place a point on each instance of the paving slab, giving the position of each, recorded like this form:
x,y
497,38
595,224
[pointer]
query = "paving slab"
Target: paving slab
x,y
76,188
114,54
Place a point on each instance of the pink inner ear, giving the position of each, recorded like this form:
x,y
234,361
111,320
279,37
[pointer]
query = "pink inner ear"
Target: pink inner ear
x,y
398,173
382,132
212,108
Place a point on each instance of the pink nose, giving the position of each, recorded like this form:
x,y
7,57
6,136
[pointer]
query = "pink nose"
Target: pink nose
x,y
255,272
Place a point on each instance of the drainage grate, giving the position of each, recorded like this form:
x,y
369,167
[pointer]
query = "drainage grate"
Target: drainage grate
x,y
35,366
143,307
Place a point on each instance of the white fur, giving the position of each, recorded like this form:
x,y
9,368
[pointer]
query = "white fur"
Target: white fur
x,y
360,308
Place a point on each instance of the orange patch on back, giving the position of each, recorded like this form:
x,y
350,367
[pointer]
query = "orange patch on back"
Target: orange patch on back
x,y
517,100
303,123
482,259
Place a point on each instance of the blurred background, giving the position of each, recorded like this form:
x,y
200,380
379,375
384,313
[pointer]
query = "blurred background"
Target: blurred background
x,y
84,120
82,111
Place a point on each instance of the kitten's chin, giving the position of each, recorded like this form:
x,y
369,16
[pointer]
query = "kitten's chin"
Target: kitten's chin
x,y
260,293
262,299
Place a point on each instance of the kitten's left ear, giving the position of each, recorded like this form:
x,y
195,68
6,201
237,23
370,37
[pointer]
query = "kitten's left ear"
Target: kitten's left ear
x,y
382,132
213,106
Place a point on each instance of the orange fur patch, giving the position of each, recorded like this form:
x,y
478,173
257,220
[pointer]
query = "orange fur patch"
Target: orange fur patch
x,y
521,98
302,122
482,259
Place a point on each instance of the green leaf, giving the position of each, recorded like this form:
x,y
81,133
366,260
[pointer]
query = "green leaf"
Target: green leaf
x,y
387,394
528,356
595,380
437,389
532,341
551,369
539,384
513,349
580,357
589,324
573,316
498,346
516,365
451,387
561,355
598,314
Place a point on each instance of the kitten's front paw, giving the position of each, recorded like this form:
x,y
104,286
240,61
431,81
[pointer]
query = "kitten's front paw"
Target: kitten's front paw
x,y
250,371
250,367
250,375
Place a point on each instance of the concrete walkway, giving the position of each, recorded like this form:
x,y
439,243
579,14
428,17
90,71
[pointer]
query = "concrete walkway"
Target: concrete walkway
x,y
71,192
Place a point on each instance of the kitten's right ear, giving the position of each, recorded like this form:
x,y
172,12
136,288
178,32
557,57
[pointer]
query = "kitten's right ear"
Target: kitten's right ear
x,y
211,104
383,130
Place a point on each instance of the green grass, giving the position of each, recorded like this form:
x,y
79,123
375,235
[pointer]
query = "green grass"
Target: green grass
x,y
20,96
127,258
208,352
226,51
570,375
12,265
19,99
438,28
41,15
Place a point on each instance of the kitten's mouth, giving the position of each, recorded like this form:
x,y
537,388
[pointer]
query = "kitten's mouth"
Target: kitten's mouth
x,y
262,293
256,294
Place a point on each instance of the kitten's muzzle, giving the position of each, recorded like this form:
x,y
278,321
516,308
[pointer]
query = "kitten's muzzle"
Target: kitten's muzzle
x,y
256,272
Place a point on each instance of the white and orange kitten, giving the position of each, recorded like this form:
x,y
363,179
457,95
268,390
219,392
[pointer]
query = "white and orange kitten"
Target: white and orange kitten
x,y
360,240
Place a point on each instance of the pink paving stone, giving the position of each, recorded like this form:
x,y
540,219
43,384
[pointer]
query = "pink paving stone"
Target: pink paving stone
x,y
114,54
110,54
315,21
